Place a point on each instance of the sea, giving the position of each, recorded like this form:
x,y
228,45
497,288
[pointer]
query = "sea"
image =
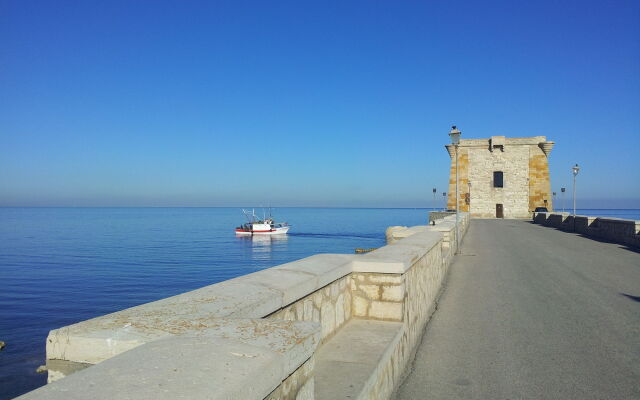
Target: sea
x,y
59,266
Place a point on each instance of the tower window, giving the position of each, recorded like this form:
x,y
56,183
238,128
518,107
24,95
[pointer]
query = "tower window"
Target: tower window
x,y
498,179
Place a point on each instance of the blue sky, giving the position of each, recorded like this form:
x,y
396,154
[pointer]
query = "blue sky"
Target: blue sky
x,y
345,103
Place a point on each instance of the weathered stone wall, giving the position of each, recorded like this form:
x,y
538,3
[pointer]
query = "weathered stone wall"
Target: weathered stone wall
x,y
297,386
330,306
513,162
229,359
424,282
539,182
378,296
463,180
623,231
410,298
258,334
436,215
525,169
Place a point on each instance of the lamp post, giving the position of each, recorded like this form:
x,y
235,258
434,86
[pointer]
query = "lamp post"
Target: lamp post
x,y
575,170
455,140
444,195
434,199
563,190
554,198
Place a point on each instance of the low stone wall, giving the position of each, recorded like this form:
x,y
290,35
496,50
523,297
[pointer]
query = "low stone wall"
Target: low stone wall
x,y
331,307
254,337
378,296
446,225
623,231
436,215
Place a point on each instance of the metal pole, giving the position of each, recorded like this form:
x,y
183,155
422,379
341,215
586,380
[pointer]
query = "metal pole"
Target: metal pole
x,y
457,205
435,203
574,195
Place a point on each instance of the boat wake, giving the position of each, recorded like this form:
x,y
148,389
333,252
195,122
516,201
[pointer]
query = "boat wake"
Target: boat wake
x,y
337,235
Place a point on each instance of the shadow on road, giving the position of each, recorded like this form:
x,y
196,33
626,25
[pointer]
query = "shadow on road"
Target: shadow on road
x,y
634,298
597,239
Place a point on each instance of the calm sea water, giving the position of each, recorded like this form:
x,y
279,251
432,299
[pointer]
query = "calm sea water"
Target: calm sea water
x,y
59,266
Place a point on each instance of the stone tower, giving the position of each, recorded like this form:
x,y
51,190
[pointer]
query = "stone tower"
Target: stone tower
x,y
500,177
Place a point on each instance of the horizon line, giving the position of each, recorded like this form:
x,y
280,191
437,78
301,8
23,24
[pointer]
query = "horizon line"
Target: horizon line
x,y
336,207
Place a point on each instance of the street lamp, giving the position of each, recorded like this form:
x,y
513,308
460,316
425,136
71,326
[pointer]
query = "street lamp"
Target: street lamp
x,y
575,170
563,190
444,195
434,199
455,140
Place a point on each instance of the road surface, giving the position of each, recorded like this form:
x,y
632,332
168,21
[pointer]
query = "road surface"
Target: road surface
x,y
530,312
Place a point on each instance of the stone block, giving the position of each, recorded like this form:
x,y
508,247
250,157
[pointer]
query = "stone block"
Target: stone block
x,y
372,291
389,233
349,364
175,367
299,311
318,298
386,310
306,392
347,305
393,293
386,278
360,306
398,257
405,233
335,289
327,319
326,268
308,309
92,344
103,337
292,284
239,359
340,310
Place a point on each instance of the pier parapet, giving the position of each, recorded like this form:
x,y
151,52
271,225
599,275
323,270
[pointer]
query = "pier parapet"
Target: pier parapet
x,y
327,326
623,231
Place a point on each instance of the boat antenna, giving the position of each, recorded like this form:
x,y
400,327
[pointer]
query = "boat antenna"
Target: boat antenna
x,y
246,215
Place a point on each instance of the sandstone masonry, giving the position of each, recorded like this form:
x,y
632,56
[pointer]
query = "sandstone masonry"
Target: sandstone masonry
x,y
523,165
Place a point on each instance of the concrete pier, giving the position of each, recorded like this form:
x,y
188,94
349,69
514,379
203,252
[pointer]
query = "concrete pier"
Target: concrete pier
x,y
325,327
531,312
527,311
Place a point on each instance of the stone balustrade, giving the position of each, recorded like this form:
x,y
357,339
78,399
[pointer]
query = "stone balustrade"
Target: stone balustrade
x,y
280,333
623,231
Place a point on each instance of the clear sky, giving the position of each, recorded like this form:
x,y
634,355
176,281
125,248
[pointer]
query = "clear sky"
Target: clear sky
x,y
300,103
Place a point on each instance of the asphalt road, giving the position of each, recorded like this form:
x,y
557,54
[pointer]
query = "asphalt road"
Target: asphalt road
x,y
531,312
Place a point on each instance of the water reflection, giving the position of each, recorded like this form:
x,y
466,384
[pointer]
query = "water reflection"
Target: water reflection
x,y
261,246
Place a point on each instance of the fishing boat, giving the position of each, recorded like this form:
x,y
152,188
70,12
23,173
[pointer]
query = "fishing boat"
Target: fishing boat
x,y
264,226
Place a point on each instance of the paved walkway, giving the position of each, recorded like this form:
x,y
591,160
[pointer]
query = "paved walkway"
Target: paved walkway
x,y
530,312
